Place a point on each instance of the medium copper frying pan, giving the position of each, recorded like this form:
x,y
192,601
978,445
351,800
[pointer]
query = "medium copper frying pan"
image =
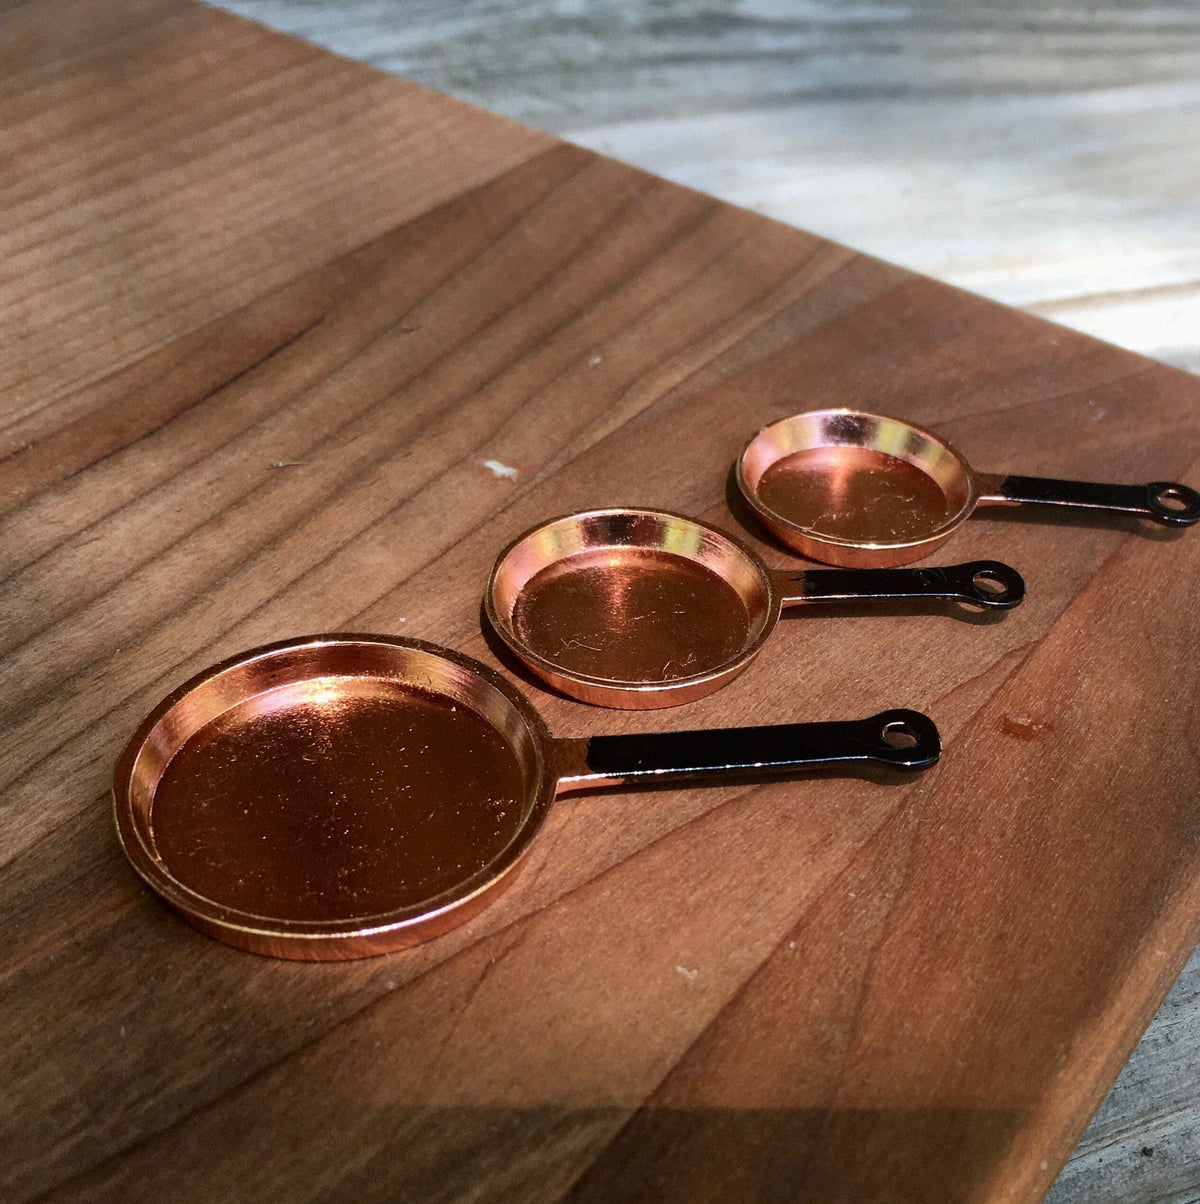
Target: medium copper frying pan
x,y
347,795
858,489
644,608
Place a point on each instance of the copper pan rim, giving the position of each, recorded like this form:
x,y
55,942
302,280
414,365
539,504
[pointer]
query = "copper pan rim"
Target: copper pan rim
x,y
958,478
360,935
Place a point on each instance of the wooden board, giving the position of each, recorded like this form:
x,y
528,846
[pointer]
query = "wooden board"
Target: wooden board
x,y
271,313
1043,157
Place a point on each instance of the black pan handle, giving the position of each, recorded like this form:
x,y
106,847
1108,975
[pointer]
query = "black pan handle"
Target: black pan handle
x,y
901,739
1165,502
979,582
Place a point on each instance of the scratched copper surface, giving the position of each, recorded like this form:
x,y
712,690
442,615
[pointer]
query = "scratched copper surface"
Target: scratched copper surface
x,y
631,614
854,493
336,798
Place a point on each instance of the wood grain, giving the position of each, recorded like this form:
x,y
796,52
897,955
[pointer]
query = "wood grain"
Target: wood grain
x,y
1044,157
831,989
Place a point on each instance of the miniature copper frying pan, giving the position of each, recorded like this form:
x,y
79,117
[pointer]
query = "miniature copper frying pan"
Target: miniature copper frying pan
x,y
851,488
644,608
346,795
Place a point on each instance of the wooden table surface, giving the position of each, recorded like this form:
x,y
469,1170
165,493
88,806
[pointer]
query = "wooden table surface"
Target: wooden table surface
x,y
271,313
1047,158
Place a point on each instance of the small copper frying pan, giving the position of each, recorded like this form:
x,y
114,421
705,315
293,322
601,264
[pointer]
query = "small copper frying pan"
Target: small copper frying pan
x,y
644,608
851,488
347,795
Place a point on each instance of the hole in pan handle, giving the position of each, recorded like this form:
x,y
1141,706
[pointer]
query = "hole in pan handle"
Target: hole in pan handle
x,y
1165,502
987,583
900,739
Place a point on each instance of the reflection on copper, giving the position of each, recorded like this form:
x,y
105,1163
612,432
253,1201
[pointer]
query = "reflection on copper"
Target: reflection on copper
x,y
337,796
631,615
338,799
856,489
854,493
631,608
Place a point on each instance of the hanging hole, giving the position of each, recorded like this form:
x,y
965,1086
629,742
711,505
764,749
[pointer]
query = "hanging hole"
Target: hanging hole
x,y
1172,498
899,735
988,582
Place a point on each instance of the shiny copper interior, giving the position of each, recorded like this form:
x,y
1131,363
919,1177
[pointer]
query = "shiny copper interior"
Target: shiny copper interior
x,y
840,485
332,797
630,607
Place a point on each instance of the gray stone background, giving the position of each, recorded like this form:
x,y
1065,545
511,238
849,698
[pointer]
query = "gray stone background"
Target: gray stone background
x,y
1047,156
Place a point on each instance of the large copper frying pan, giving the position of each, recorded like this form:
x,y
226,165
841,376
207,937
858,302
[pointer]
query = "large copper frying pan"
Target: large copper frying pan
x,y
346,795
